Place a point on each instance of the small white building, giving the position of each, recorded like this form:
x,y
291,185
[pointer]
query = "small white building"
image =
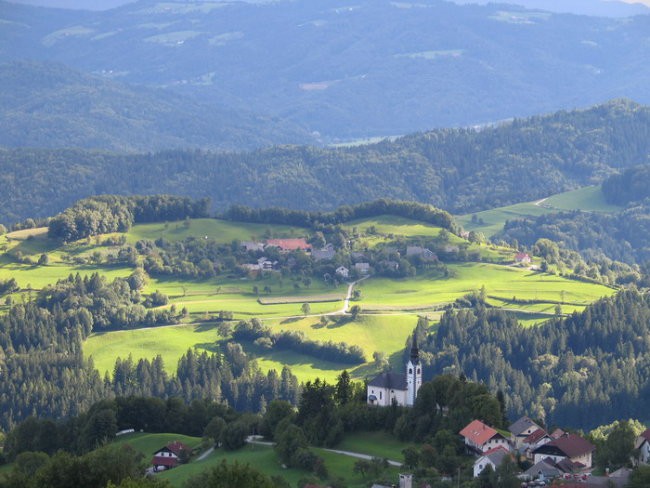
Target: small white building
x,y
493,457
643,445
362,268
343,272
401,388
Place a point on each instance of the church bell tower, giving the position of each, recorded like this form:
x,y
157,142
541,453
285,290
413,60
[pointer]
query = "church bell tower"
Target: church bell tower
x,y
413,374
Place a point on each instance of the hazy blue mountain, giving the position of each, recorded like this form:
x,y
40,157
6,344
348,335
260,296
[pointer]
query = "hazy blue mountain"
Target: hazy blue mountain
x,y
49,105
374,67
598,8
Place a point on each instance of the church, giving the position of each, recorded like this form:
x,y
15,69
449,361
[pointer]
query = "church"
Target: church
x,y
402,388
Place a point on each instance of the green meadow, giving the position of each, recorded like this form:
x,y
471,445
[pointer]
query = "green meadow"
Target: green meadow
x,y
389,307
221,230
490,222
147,444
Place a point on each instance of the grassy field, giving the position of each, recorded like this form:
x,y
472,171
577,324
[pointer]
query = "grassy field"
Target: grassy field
x,y
589,199
377,444
170,342
147,444
264,459
501,283
372,333
220,230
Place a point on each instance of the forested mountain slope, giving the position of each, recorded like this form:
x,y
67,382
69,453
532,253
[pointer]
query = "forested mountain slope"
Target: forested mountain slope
x,y
373,67
51,106
459,170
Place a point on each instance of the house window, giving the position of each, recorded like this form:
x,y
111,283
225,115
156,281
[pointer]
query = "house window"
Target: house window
x,y
380,395
418,370
410,370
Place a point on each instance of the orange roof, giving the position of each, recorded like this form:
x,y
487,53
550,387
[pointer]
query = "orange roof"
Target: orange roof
x,y
289,244
478,433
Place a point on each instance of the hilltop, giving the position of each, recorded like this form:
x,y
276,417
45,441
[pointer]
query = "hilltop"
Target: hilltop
x,y
49,105
518,161
348,71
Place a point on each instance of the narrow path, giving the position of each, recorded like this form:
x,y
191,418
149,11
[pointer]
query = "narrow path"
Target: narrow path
x,y
346,302
539,202
205,454
255,439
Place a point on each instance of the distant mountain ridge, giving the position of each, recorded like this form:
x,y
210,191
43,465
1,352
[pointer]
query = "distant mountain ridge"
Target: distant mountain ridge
x,y
51,106
459,170
376,67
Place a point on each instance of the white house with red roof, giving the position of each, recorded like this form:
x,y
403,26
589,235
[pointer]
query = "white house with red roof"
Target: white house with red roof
x,y
169,456
480,437
643,445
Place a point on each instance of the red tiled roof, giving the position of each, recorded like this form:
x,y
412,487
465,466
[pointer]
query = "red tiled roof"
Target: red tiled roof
x,y
176,447
289,244
478,433
535,436
166,461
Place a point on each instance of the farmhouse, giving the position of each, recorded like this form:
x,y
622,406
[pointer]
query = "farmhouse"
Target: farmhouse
x,y
522,258
480,438
402,389
252,246
288,245
643,445
324,254
568,448
422,252
169,456
343,272
521,429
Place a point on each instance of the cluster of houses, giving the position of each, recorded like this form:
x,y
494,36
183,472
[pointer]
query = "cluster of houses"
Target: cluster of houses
x,y
553,455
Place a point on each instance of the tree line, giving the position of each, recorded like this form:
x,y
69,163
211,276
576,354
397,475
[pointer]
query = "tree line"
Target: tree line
x,y
113,213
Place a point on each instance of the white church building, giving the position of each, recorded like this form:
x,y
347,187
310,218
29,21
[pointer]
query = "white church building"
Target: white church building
x,y
402,388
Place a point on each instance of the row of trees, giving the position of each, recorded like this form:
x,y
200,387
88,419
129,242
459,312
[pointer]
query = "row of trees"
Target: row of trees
x,y
254,331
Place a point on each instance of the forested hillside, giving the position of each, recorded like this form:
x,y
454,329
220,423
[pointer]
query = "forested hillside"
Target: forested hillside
x,y
597,361
348,70
448,168
51,106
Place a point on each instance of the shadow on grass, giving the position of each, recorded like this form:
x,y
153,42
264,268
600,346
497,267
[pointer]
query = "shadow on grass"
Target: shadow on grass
x,y
291,320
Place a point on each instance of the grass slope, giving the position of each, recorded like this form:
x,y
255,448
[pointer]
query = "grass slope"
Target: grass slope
x,y
147,444
490,222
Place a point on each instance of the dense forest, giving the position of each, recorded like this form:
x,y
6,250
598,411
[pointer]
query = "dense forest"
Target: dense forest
x,y
44,372
596,361
448,168
629,186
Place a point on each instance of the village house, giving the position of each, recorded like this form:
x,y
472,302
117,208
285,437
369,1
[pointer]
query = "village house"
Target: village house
x,y
522,258
421,252
570,451
533,441
252,246
545,469
170,456
480,438
343,272
324,254
494,458
521,429
288,245
400,388
643,445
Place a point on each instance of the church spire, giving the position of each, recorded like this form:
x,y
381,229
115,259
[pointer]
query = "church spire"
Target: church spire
x,y
415,353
